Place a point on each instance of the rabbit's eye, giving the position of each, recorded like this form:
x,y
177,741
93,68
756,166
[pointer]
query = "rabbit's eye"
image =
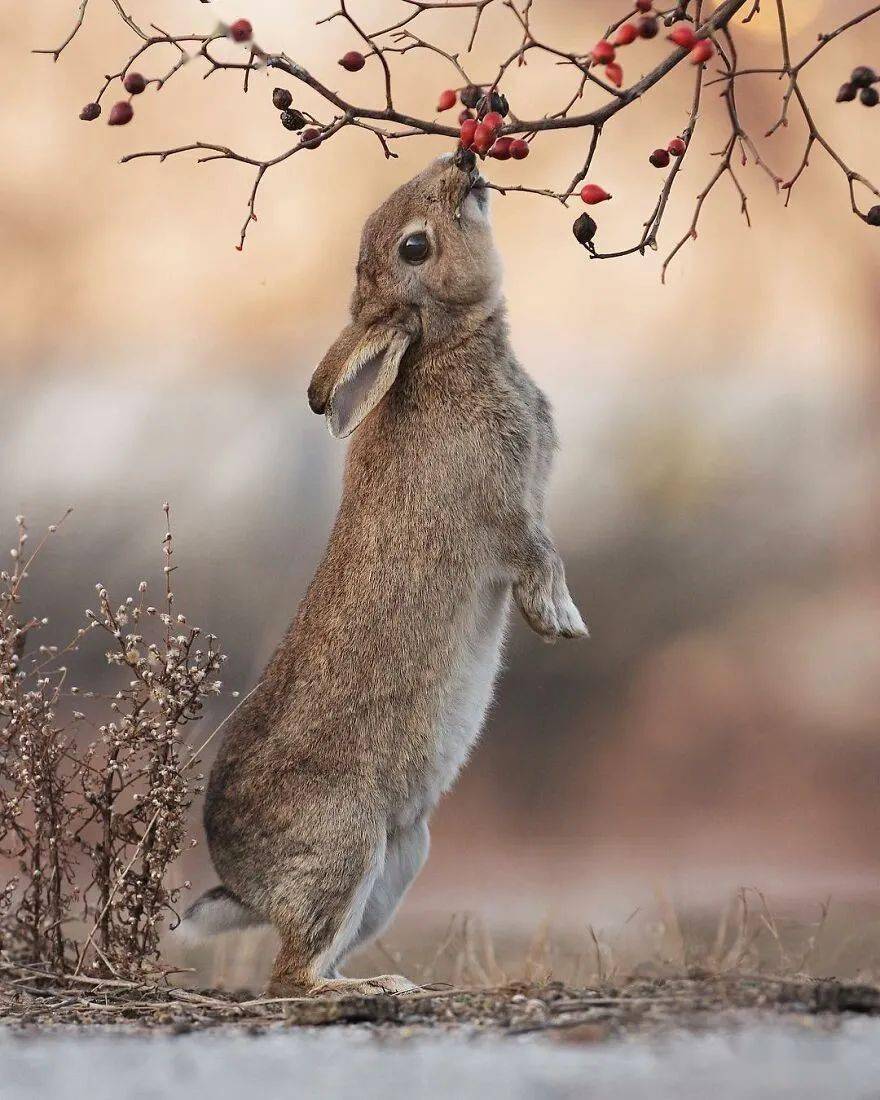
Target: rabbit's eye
x,y
415,248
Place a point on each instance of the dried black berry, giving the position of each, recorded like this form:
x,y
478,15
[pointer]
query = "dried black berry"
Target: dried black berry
x,y
495,101
648,27
90,112
873,216
863,77
464,159
846,93
282,98
470,96
293,120
869,96
584,229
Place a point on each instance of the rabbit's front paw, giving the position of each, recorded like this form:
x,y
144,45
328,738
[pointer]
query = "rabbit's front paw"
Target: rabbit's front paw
x,y
546,604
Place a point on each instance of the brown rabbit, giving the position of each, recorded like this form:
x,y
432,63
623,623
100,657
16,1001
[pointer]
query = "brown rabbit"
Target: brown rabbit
x,y
317,807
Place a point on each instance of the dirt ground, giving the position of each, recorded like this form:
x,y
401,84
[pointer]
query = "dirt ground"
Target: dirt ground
x,y
699,1001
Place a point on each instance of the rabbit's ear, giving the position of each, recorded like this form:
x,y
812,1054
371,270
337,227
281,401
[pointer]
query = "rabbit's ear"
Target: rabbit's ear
x,y
366,375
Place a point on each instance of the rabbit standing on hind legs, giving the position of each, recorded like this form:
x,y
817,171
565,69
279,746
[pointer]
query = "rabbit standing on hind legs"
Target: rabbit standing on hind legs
x,y
318,803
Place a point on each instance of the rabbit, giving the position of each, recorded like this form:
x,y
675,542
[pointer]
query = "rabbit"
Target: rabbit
x,y
317,807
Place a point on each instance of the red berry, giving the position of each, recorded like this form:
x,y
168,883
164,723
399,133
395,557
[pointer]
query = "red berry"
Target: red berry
x,y
464,116
643,5
626,33
702,52
241,30
603,52
90,112
614,74
501,149
352,61
120,113
683,36
468,129
659,158
494,121
447,99
134,84
648,27
677,147
519,149
592,193
484,136
310,138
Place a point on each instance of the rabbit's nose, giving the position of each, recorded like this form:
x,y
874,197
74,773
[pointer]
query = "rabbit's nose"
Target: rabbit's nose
x,y
317,403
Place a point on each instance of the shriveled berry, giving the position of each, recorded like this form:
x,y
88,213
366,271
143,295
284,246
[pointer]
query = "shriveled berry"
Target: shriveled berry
x,y
676,147
352,61
701,53
311,138
484,136
120,113
519,149
592,193
873,216
659,158
501,149
134,84
90,112
683,36
293,119
493,120
863,77
281,98
626,33
644,5
471,95
493,103
584,229
846,93
602,52
614,73
869,96
464,116
446,100
648,27
464,159
241,31
466,134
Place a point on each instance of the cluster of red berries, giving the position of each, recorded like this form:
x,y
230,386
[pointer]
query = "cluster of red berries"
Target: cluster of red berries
x,y
480,132
660,157
647,26
699,49
861,83
122,113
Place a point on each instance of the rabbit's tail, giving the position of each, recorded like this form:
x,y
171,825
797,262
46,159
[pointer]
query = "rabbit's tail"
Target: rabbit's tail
x,y
217,910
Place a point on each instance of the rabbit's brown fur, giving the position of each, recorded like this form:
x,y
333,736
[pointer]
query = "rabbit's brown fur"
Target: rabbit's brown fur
x,y
318,802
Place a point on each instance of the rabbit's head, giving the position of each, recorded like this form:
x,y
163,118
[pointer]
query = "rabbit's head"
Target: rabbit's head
x,y
427,276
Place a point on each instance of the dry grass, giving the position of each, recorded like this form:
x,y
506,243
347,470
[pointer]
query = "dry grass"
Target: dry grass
x,y
95,787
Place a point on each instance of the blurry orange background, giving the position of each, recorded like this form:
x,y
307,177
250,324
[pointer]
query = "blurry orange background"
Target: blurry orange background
x,y
715,495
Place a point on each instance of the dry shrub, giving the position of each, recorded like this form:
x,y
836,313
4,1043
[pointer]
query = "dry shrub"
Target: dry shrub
x,y
91,824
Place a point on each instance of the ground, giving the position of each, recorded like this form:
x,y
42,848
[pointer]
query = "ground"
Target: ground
x,y
697,1002
724,1036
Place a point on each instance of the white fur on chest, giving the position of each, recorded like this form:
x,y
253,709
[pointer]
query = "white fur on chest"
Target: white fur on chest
x,y
466,695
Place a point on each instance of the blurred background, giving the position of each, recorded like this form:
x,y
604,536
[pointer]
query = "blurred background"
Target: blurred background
x,y
715,496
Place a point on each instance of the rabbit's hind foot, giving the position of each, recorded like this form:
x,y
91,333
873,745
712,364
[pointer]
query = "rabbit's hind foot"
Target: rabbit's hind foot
x,y
389,985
